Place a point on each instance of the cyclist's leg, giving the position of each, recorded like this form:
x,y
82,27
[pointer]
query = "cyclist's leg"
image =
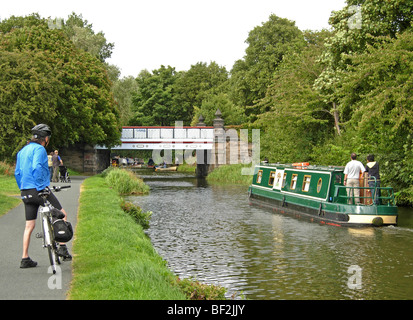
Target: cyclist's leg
x,y
31,206
30,224
55,203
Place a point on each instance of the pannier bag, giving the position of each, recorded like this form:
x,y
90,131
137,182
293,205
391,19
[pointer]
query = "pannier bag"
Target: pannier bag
x,y
57,214
63,231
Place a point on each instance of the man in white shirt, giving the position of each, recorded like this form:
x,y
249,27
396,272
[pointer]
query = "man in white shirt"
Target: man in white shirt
x,y
352,178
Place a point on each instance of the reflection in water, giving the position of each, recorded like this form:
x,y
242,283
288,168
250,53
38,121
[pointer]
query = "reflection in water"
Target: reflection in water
x,y
211,233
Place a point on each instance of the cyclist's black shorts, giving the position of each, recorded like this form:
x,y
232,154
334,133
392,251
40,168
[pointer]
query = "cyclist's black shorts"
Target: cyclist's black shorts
x,y
32,201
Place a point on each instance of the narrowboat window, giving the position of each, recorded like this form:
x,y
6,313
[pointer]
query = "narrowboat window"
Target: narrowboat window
x,y
284,179
306,183
293,182
337,179
319,184
272,178
259,176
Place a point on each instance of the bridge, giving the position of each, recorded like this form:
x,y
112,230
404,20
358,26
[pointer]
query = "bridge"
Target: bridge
x,y
212,146
163,138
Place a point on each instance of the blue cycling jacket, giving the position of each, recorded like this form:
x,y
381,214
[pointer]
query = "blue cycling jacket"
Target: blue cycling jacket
x,y
32,170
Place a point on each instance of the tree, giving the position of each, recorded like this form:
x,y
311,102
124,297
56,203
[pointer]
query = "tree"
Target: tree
x,y
267,46
359,24
378,89
192,87
153,100
123,91
29,94
232,114
294,118
53,82
82,35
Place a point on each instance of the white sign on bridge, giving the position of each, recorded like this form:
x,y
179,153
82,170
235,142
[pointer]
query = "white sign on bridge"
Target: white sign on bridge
x,y
159,138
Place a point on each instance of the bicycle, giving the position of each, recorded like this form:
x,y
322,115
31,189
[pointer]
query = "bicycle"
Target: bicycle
x,y
46,214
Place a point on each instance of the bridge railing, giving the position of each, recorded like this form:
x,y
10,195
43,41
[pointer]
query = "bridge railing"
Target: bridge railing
x,y
167,134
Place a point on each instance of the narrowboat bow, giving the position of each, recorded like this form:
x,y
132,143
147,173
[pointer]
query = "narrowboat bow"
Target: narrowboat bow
x,y
317,193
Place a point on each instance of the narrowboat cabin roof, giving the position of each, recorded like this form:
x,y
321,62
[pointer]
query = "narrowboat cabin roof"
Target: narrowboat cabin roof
x,y
302,165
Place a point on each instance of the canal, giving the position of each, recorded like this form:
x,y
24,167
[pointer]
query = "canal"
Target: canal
x,y
211,233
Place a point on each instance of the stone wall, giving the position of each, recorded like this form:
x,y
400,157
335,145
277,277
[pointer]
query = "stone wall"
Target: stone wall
x,y
85,158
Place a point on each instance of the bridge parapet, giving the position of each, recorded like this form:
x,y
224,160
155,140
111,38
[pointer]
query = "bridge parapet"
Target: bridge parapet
x,y
158,138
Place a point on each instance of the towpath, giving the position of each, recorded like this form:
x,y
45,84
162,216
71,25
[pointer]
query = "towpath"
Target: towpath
x,y
34,283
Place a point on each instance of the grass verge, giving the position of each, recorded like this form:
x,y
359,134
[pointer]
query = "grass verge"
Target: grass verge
x,y
113,258
231,174
124,181
9,192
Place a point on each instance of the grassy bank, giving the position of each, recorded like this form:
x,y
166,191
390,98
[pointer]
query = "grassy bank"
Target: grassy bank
x,y
230,174
113,258
9,192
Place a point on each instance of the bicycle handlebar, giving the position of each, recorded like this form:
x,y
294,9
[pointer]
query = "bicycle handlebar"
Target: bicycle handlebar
x,y
45,193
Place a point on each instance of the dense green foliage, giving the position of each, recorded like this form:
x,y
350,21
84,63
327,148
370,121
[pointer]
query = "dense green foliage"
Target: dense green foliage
x,y
46,78
316,95
165,95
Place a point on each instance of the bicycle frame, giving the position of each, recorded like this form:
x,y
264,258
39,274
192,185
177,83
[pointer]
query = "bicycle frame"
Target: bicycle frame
x,y
48,234
45,217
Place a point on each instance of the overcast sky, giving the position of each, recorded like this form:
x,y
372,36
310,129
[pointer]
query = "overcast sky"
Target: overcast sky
x,y
179,33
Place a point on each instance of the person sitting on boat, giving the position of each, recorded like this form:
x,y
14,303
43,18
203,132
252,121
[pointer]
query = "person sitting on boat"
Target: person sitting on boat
x,y
352,178
372,170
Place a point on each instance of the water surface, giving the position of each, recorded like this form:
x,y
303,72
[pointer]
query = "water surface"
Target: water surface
x,y
211,233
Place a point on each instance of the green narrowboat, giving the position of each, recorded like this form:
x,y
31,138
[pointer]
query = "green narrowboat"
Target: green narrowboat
x,y
317,193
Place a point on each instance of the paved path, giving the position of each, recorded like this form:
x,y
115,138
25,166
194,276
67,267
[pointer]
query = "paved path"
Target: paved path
x,y
34,283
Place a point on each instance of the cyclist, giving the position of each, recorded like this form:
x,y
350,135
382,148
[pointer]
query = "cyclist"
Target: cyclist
x,y
32,175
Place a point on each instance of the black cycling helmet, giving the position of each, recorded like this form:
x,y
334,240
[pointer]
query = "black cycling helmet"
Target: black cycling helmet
x,y
41,130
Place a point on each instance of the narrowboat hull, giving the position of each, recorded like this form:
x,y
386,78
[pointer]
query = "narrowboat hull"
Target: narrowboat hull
x,y
326,209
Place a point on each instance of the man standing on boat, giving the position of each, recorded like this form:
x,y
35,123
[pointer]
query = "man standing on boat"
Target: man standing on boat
x,y
372,168
352,178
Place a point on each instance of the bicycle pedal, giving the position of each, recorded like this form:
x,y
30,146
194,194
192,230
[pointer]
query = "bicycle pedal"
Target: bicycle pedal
x,y
39,235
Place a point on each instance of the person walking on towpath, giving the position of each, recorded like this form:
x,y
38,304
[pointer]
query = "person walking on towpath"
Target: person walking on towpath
x,y
352,178
57,161
32,175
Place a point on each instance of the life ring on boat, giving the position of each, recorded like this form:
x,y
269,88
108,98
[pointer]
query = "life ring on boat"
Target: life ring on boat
x,y
300,165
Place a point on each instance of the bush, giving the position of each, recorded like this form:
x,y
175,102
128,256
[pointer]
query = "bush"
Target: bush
x,y
194,290
6,169
125,182
137,214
